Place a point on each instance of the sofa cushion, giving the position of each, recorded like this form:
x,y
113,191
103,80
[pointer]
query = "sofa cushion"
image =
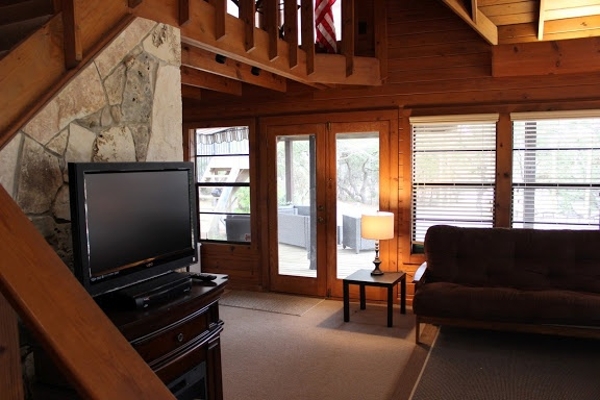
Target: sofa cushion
x,y
516,258
504,304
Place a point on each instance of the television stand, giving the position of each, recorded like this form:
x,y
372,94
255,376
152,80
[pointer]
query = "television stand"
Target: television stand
x,y
179,339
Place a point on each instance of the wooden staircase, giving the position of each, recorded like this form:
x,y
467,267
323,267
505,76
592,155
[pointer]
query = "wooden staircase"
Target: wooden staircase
x,y
19,18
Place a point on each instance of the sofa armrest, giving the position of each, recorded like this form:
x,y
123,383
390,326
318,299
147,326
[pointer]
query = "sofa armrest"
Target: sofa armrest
x,y
419,273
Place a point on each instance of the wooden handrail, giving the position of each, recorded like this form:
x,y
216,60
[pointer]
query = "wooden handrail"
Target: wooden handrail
x,y
84,344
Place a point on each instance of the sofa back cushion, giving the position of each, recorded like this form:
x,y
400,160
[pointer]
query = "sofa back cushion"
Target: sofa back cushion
x,y
519,258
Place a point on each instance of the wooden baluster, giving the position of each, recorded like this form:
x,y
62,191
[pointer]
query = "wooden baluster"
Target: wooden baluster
x,y
381,52
348,34
184,11
291,30
308,34
247,14
73,48
271,26
220,16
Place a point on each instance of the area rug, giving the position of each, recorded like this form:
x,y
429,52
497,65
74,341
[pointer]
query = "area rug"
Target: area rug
x,y
469,364
270,302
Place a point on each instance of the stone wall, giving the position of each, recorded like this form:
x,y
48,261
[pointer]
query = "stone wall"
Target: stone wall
x,y
124,106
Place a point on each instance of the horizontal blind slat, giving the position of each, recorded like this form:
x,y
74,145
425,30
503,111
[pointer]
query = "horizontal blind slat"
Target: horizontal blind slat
x,y
453,174
556,173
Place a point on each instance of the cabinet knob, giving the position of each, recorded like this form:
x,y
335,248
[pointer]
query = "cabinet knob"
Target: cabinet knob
x,y
180,337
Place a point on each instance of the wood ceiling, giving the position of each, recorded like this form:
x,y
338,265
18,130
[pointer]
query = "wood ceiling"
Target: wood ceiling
x,y
522,21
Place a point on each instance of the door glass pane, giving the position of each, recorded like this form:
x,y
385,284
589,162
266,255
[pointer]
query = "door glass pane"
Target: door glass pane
x,y
357,193
296,197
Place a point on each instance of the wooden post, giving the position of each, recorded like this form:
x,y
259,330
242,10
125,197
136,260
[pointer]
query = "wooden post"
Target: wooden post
x,y
504,150
11,382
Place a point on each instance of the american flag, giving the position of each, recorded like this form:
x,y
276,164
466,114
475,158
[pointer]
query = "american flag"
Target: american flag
x,y
325,28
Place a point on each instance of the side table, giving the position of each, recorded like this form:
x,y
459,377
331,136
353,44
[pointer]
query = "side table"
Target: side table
x,y
388,280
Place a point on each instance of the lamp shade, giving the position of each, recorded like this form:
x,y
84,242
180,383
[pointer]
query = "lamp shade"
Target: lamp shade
x,y
377,226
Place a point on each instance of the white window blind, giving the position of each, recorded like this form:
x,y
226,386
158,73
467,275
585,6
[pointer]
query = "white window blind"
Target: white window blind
x,y
556,172
453,174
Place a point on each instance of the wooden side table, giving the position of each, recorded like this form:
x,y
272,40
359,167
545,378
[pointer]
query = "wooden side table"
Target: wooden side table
x,y
364,278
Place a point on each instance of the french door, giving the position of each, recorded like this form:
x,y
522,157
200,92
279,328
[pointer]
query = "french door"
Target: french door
x,y
322,177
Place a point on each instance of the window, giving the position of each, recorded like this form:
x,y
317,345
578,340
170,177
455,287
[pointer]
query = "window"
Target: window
x,y
453,172
223,183
556,171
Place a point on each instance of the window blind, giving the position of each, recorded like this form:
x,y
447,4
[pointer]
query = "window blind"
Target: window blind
x,y
556,173
453,174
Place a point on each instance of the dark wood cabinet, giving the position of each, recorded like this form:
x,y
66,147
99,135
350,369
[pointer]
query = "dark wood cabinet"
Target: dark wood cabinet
x,y
179,339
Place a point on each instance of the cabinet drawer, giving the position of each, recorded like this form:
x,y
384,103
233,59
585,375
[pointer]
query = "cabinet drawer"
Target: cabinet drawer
x,y
171,337
169,369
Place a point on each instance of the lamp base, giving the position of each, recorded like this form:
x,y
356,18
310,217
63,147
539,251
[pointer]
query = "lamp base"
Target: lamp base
x,y
376,271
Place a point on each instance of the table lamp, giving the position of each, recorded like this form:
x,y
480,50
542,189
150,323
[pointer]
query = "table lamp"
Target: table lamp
x,y
377,226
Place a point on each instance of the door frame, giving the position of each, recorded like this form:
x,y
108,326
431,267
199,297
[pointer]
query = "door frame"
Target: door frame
x,y
390,175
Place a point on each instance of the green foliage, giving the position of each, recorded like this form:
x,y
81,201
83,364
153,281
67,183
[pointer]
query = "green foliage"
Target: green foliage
x,y
243,200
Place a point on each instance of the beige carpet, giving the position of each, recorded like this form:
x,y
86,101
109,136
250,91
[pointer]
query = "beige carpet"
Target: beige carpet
x,y
271,356
469,364
270,302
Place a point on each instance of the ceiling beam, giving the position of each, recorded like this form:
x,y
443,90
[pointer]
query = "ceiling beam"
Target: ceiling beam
x,y
330,70
191,92
541,20
204,80
204,60
486,28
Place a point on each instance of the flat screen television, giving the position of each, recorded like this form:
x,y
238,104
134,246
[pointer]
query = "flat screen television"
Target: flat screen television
x,y
131,222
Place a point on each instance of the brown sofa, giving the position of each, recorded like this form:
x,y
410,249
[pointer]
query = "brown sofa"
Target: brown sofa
x,y
545,281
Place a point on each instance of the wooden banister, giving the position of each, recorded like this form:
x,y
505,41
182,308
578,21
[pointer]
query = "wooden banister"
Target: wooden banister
x,y
84,344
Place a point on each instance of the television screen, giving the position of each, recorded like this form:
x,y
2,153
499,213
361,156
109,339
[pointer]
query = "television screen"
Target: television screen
x,y
131,221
